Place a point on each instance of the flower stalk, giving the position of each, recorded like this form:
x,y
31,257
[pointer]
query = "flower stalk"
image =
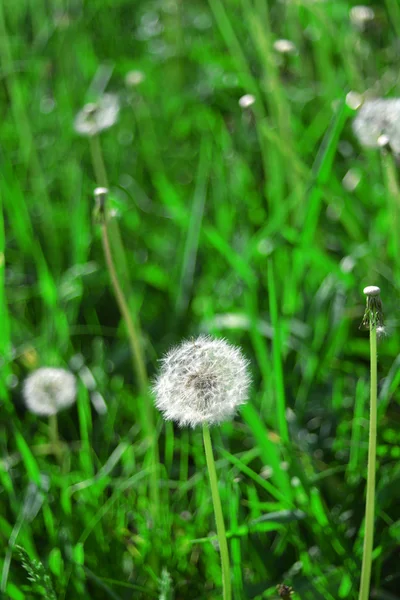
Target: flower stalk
x,y
219,517
373,318
138,361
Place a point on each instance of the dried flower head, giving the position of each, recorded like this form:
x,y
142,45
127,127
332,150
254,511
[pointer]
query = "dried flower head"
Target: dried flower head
x,y
373,315
95,117
202,380
100,199
284,591
377,121
47,391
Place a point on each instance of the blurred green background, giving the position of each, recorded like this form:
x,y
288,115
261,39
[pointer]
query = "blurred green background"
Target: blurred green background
x,y
261,224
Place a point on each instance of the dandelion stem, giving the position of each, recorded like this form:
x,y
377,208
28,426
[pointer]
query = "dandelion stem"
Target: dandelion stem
x,y
98,161
137,359
370,501
137,355
54,438
133,329
219,518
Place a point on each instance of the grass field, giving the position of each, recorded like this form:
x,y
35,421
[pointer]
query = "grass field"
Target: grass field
x,y
260,224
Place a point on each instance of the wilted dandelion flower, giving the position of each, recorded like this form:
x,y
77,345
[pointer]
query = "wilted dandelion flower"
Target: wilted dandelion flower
x,y
379,120
95,117
246,101
48,390
202,381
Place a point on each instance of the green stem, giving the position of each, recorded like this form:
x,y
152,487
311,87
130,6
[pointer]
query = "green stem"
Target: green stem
x,y
370,502
54,439
133,329
134,342
98,162
219,518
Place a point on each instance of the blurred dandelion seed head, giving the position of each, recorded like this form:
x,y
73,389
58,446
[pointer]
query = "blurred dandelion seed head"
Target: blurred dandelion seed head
x,y
285,47
378,123
48,390
134,78
360,15
246,101
94,117
202,380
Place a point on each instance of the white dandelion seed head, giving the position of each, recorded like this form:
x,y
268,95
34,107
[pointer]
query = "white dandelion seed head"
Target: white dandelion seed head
x,y
134,78
246,101
360,15
202,380
377,121
94,117
48,390
285,47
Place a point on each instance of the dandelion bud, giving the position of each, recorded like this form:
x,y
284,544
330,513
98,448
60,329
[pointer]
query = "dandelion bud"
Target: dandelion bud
x,y
95,117
202,381
47,391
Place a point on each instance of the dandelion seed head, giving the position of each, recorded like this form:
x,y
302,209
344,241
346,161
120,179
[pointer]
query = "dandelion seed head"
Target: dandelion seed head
x,y
246,101
134,78
203,380
94,117
378,122
360,15
285,47
48,390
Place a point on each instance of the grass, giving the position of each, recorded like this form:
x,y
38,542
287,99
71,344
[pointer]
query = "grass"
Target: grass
x,y
234,222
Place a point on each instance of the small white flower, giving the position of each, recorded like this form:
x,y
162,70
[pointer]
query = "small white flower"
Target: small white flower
x,y
202,380
246,101
48,390
377,121
95,117
285,47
